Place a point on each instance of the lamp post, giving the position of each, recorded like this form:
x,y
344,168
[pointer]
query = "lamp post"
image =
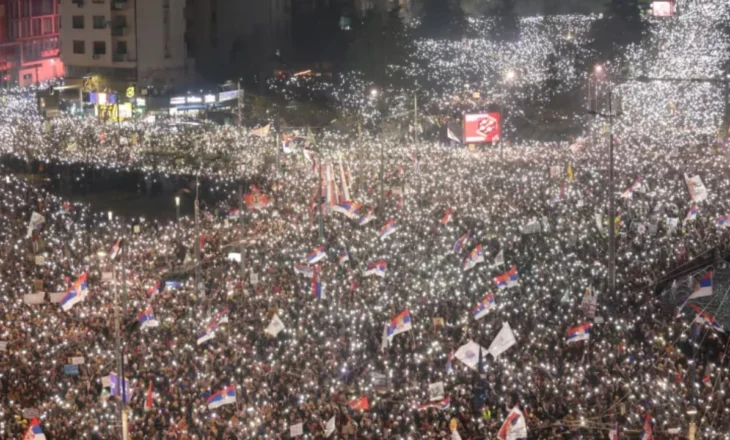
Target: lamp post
x,y
177,209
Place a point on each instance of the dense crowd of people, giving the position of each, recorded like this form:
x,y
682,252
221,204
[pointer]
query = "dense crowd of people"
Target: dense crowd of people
x,y
541,212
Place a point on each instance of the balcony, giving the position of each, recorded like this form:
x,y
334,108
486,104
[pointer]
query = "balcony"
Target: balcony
x,y
119,30
119,5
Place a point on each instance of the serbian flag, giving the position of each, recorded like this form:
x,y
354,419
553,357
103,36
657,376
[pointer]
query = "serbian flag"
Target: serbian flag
x,y
703,287
76,293
459,245
507,279
360,404
303,269
691,214
579,333
447,217
317,288
377,268
317,255
613,433
648,430
157,288
441,404
482,309
367,218
723,221
475,257
114,252
349,209
450,363
387,229
208,332
514,426
34,432
706,318
399,324
225,396
148,398
147,319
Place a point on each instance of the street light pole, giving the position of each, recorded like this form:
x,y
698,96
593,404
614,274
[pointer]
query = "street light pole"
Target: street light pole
x,y
415,117
177,209
611,204
240,220
240,103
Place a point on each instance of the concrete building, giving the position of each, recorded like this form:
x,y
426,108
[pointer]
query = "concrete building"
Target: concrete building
x,y
246,38
29,41
126,41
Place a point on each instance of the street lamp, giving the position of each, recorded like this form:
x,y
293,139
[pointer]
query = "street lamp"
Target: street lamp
x,y
510,75
374,93
598,68
177,208
110,215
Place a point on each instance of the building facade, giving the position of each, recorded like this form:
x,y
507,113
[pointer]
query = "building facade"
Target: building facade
x,y
125,41
29,41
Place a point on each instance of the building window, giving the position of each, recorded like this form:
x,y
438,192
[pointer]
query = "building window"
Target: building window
x,y
79,47
99,47
47,25
98,2
121,47
36,27
78,21
99,22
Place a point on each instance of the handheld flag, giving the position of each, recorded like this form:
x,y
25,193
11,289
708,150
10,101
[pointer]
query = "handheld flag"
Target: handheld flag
x,y
360,404
154,290
723,221
475,257
442,404
147,319
706,319
114,252
447,217
34,432
367,218
148,398
482,309
317,288
76,293
459,245
377,268
317,255
226,396
504,340
507,279
399,324
514,426
349,209
579,333
691,214
387,229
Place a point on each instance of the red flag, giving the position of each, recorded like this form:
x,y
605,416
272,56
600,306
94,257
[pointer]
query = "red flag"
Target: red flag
x,y
148,399
202,241
360,404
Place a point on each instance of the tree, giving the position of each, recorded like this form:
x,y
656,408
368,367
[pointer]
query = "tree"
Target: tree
x,y
442,19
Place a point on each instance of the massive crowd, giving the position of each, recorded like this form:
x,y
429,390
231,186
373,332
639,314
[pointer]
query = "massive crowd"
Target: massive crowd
x,y
436,292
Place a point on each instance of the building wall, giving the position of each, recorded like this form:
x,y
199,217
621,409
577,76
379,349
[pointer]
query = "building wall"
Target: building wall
x,y
29,41
115,13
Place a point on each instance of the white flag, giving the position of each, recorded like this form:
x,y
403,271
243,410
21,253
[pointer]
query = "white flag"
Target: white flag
x,y
275,326
3,345
436,391
504,340
452,136
385,342
329,428
499,259
469,354
36,221
295,430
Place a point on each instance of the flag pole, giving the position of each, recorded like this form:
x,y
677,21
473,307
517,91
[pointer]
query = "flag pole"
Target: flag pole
x,y
118,343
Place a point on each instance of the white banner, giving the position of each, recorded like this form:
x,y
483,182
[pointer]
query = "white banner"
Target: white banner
x,y
3,345
436,391
696,188
56,297
296,430
34,298
76,360
275,326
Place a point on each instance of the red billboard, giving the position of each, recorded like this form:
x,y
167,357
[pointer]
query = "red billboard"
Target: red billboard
x,y
485,127
663,8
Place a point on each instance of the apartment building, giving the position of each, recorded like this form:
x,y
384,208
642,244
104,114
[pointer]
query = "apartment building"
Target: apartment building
x,y
125,41
29,41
